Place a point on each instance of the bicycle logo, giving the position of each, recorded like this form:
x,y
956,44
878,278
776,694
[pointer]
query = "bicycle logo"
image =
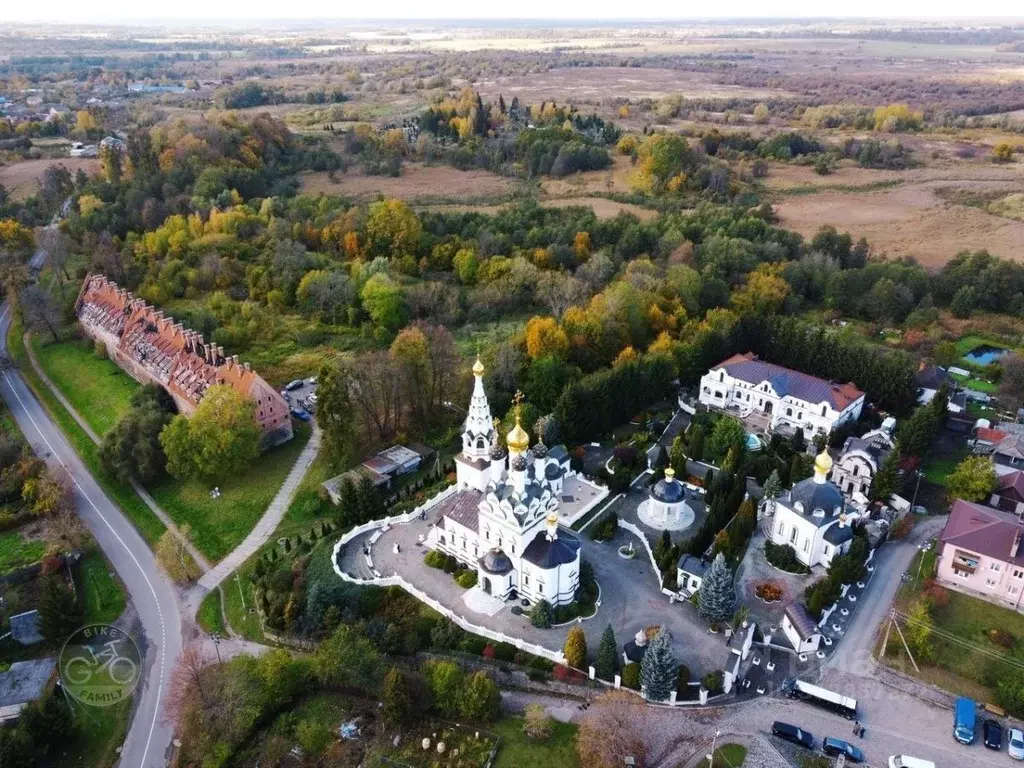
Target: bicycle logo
x,y
100,665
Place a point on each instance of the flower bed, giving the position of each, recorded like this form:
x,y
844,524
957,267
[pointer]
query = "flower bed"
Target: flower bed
x,y
769,591
446,745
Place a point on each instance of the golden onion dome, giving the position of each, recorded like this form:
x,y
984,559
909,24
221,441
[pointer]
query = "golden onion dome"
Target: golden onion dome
x,y
552,518
518,440
478,368
823,463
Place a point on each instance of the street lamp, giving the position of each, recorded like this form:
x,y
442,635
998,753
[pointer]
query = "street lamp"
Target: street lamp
x,y
216,644
711,757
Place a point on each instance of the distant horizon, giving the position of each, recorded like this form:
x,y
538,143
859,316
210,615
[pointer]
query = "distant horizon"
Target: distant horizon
x,y
121,13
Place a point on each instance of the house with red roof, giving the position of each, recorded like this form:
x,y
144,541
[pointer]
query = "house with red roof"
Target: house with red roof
x,y
980,553
791,400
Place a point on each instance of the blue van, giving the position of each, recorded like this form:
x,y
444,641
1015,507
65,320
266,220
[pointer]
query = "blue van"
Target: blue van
x,y
963,720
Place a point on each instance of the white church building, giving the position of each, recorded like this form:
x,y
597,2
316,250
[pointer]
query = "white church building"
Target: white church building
x,y
813,517
503,521
744,385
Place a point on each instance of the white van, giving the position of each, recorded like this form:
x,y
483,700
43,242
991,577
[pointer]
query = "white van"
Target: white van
x,y
906,761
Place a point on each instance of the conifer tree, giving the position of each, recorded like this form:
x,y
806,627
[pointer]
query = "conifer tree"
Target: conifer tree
x,y
395,697
607,655
883,486
770,491
576,648
658,668
717,592
59,611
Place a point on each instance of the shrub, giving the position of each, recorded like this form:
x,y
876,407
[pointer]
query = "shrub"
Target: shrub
x,y
1002,638
682,681
783,557
434,558
99,349
631,676
466,579
537,722
540,614
713,682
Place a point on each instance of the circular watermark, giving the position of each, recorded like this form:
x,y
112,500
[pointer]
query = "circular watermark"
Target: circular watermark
x,y
100,665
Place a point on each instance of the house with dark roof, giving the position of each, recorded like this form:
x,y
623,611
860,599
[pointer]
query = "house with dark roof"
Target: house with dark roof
x,y
861,459
22,684
690,575
930,379
980,553
800,628
745,385
1009,493
25,628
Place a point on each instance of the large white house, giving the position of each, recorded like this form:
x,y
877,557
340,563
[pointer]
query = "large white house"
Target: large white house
x,y
812,517
504,518
744,384
861,459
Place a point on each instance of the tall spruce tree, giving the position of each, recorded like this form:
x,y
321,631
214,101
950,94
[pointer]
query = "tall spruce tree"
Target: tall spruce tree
x,y
607,655
658,668
771,490
59,611
883,486
717,592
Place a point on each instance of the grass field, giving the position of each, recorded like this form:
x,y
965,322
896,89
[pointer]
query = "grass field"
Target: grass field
x,y
219,525
140,515
96,388
516,750
938,468
101,591
971,665
17,551
209,617
727,755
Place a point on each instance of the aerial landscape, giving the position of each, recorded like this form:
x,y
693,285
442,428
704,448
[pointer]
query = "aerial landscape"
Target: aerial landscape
x,y
507,393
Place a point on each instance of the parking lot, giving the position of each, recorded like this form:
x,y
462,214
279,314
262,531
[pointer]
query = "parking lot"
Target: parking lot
x,y
300,395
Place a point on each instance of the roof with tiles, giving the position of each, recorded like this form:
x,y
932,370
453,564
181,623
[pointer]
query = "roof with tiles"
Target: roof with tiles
x,y
785,381
176,357
985,531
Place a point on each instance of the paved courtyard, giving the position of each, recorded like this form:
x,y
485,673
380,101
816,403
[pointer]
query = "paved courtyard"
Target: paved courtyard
x,y
631,597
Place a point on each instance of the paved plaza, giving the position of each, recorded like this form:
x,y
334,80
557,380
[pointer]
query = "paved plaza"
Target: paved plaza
x,y
631,597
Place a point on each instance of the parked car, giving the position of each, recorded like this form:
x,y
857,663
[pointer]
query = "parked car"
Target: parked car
x,y
906,761
836,747
300,414
992,734
294,384
963,720
792,734
1016,746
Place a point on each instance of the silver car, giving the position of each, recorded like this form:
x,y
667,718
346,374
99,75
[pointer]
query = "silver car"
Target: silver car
x,y
1015,745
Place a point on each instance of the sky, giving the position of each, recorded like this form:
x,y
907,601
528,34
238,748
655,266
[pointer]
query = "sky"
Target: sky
x,y
133,11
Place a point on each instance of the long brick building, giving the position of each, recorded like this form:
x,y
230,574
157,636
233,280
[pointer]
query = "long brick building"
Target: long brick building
x,y
153,348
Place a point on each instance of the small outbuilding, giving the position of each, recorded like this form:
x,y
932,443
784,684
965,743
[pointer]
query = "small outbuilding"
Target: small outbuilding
x,y
800,628
690,575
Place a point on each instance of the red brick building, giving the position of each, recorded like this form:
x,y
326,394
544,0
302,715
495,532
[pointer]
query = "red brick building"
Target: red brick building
x,y
153,348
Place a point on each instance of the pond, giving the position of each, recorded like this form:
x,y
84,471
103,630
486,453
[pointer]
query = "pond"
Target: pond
x,y
986,354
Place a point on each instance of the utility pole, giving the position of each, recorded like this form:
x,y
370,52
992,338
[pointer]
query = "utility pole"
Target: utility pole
x,y
711,757
904,639
241,594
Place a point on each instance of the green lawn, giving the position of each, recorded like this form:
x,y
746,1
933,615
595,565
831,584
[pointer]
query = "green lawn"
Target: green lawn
x,y
101,731
517,750
209,616
96,388
17,551
219,525
938,468
973,341
100,589
727,756
972,666
142,518
972,382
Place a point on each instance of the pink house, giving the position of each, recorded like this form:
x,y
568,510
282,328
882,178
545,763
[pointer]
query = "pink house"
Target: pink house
x,y
980,553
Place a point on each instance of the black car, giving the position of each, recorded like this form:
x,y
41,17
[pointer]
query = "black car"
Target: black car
x,y
992,734
792,734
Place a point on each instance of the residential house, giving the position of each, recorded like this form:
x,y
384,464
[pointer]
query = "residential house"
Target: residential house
x,y
861,459
23,683
814,518
25,628
791,400
980,553
1004,443
1009,493
800,628
154,349
930,379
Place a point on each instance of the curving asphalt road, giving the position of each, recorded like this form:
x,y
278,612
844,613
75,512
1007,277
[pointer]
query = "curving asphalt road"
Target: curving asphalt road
x,y
148,742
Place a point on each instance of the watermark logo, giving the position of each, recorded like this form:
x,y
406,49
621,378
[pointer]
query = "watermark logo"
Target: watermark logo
x,y
100,665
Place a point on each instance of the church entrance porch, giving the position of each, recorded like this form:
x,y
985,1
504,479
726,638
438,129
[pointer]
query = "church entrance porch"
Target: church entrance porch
x,y
486,585
478,601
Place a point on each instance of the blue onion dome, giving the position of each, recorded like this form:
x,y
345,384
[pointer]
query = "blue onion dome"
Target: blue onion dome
x,y
497,451
539,450
519,463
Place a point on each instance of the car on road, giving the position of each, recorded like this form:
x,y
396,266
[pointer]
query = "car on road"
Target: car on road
x,y
963,720
792,734
294,384
906,761
992,734
300,414
835,747
1015,747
